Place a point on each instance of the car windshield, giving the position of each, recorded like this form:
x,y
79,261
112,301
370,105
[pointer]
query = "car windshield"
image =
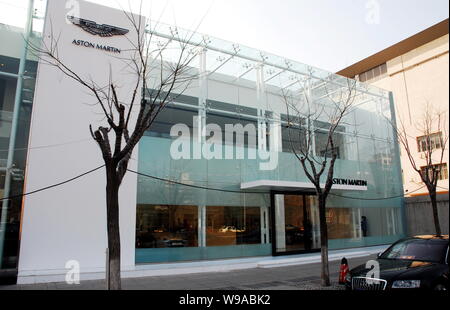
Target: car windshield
x,y
417,249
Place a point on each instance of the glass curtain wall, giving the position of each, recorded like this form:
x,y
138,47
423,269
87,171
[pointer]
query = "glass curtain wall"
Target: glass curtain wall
x,y
18,70
241,86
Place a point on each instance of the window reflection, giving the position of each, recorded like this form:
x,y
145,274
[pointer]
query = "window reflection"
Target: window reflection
x,y
324,149
9,64
168,117
233,226
247,139
7,94
166,226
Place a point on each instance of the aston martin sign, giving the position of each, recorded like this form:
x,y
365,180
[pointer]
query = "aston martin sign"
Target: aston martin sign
x,y
93,28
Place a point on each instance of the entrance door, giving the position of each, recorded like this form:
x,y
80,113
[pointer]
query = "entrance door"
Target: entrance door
x,y
295,223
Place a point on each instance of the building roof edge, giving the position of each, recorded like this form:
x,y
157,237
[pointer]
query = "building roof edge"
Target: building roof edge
x,y
428,35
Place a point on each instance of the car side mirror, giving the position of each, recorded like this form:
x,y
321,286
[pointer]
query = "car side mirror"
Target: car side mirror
x,y
379,254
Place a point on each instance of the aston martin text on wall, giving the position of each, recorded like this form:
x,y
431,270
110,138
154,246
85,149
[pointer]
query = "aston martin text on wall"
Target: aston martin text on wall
x,y
350,182
96,46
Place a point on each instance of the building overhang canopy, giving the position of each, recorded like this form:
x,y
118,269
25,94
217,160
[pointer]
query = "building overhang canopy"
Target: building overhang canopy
x,y
276,185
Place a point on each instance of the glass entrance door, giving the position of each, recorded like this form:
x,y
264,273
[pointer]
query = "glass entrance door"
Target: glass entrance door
x,y
295,224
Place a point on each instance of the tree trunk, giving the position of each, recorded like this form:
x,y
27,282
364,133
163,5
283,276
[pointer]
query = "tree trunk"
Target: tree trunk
x,y
437,225
112,214
325,273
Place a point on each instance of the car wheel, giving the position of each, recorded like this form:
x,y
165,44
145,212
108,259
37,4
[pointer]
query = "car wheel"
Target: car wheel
x,y
440,287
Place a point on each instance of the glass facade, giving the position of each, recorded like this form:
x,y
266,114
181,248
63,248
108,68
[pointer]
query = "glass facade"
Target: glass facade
x,y
239,85
18,70
208,216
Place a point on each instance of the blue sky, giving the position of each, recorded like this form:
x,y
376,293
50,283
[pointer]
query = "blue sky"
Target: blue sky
x,y
329,34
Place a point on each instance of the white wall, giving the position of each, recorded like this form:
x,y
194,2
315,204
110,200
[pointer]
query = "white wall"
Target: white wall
x,y
415,78
69,222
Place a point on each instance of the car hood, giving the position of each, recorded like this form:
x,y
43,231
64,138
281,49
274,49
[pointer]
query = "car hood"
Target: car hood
x,y
391,269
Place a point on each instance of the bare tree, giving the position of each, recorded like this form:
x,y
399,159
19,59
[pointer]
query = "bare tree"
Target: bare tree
x,y
120,134
308,118
432,140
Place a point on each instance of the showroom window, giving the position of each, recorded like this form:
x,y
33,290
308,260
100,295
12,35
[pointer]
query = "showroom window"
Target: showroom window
x,y
233,226
340,223
166,226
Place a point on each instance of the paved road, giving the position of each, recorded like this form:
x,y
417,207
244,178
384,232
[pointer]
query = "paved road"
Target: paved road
x,y
301,277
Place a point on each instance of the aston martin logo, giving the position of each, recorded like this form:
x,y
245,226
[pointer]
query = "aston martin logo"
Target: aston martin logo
x,y
96,29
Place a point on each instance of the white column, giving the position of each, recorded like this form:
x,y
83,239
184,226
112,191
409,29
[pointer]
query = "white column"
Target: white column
x,y
394,230
201,137
201,226
309,122
359,224
263,224
261,100
262,130
388,221
280,224
203,96
355,224
275,133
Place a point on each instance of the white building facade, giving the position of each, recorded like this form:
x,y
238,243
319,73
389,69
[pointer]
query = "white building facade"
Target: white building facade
x,y
186,209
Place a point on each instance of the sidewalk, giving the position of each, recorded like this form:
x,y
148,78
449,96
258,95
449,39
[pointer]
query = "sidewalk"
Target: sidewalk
x,y
300,272
226,265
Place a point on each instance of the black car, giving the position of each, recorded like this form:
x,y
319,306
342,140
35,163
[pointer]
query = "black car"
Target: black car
x,y
419,262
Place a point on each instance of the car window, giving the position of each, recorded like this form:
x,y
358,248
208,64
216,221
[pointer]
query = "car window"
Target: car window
x,y
416,249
